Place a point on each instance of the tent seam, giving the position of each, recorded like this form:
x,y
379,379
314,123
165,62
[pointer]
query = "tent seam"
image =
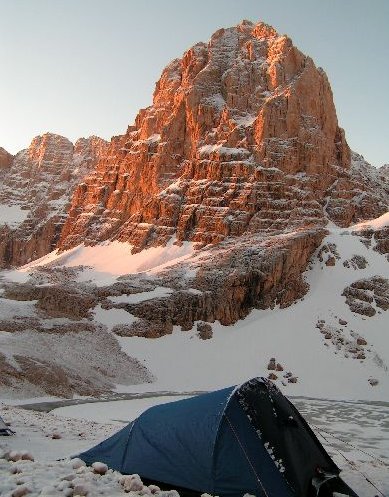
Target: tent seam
x,y
128,440
222,416
247,457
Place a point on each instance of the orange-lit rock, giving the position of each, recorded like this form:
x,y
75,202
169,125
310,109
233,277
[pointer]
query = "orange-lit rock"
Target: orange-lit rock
x,y
242,137
5,159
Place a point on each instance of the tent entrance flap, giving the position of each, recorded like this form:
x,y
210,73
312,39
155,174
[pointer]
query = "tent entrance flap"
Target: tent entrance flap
x,y
4,428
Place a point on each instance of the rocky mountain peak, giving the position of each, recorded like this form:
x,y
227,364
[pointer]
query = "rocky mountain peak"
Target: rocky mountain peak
x,y
242,137
256,91
48,152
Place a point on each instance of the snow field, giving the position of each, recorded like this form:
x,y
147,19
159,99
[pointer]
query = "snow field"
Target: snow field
x,y
108,260
120,411
236,353
45,437
12,215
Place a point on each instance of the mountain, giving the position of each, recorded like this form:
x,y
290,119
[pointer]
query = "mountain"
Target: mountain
x,y
232,210
242,138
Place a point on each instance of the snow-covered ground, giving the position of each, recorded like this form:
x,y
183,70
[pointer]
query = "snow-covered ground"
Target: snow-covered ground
x,y
45,438
376,224
183,361
142,296
119,411
12,215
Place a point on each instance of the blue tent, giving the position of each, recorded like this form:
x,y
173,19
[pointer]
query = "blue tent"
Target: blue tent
x,y
246,439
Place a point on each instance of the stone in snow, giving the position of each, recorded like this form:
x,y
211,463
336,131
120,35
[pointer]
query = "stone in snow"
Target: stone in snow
x,y
77,463
99,468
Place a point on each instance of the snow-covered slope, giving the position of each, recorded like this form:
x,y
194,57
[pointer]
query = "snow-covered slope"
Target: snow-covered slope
x,y
323,362
375,224
47,437
332,343
109,260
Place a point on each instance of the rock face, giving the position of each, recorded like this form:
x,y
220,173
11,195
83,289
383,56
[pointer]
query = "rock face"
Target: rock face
x,y
230,280
5,159
362,193
242,137
35,190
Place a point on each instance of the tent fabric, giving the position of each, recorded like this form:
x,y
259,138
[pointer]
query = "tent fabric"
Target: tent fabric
x,y
4,430
246,439
287,434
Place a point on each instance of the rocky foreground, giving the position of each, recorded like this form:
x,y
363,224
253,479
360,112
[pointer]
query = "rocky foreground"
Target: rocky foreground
x,y
34,471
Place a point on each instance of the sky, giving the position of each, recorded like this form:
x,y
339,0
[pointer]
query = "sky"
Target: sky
x,y
85,67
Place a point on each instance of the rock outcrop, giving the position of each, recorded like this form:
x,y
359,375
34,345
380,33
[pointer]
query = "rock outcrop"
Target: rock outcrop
x,y
364,296
5,159
362,192
36,187
230,280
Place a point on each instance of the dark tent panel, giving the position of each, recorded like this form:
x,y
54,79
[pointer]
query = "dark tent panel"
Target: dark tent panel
x,y
246,439
4,429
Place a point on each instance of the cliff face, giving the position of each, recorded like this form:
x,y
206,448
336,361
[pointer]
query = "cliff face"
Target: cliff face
x,y
230,281
242,137
5,159
36,188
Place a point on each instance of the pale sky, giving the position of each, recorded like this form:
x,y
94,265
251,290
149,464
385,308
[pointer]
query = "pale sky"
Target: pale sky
x,y
83,67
